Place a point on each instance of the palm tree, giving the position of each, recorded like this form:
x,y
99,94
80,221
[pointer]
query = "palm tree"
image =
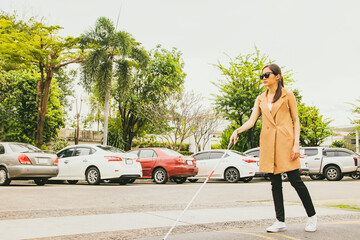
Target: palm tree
x,y
110,54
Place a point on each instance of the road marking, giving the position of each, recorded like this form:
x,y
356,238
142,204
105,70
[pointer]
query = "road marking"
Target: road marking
x,y
284,236
255,234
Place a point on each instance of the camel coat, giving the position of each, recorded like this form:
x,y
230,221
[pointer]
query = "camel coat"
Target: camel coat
x,y
277,134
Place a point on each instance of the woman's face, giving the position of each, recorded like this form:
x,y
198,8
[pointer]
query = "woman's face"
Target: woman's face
x,y
271,80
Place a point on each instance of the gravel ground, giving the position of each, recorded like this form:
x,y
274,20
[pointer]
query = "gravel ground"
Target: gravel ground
x,y
142,233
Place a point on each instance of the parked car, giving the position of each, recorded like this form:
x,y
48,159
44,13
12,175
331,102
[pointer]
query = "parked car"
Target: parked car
x,y
95,163
163,164
254,157
232,167
331,163
21,161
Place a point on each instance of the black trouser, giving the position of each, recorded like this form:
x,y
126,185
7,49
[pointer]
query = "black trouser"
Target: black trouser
x,y
301,189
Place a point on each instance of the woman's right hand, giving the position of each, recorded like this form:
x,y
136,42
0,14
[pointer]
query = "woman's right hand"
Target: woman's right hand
x,y
234,138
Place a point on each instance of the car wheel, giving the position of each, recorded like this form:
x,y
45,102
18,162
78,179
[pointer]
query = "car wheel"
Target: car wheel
x,y
232,175
93,176
123,181
132,180
40,181
355,175
247,179
72,181
179,180
4,180
284,177
333,173
317,177
193,180
160,176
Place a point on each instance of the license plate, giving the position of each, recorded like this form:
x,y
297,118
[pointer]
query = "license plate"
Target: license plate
x,y
189,162
41,161
129,162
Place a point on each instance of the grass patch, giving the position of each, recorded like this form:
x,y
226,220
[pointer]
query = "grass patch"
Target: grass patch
x,y
352,207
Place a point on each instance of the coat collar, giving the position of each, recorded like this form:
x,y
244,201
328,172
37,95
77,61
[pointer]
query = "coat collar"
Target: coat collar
x,y
275,108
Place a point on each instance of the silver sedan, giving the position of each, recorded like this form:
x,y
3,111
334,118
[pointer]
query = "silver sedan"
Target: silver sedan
x,y
21,161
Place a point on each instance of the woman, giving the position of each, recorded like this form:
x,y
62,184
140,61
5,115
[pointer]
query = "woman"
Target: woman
x,y
279,143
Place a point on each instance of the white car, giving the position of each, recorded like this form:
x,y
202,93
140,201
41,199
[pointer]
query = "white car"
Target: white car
x,y
231,168
95,163
254,155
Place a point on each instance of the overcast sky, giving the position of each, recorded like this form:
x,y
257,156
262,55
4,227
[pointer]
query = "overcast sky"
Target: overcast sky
x,y
318,40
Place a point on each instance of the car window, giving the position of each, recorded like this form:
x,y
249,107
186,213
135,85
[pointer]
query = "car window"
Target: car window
x,y
147,153
110,149
135,152
329,153
66,153
215,155
311,152
171,152
82,151
21,148
254,153
2,149
202,156
343,153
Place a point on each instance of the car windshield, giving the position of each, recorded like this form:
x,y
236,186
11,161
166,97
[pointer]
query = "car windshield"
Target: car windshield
x,y
22,148
171,152
110,149
238,153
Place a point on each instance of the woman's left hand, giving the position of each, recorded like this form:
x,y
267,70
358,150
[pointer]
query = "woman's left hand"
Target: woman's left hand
x,y
295,153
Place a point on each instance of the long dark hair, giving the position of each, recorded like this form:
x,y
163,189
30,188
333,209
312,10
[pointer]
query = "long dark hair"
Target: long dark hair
x,y
275,69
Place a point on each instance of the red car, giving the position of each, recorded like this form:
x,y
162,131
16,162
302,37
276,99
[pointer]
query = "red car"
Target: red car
x,y
162,164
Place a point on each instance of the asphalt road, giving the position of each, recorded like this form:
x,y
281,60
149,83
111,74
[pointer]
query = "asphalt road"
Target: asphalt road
x,y
24,200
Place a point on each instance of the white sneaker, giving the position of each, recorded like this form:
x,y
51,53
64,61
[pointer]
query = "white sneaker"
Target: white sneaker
x,y
277,227
311,224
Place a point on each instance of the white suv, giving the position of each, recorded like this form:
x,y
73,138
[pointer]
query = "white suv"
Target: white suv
x,y
331,163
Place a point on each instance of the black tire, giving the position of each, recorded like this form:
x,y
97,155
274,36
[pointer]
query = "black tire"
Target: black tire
x,y
180,180
247,179
72,181
123,181
333,173
93,176
132,180
41,181
193,180
4,179
284,177
232,175
355,175
267,178
160,176
317,176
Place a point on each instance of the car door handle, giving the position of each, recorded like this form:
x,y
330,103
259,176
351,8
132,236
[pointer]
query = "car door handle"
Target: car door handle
x,y
85,160
66,161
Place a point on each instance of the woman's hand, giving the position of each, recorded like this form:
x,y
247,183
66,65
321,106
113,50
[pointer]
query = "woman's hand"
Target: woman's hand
x,y
234,138
295,152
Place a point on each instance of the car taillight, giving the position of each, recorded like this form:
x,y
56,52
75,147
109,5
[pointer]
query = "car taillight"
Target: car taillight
x,y
56,163
138,159
180,160
301,156
23,159
355,161
113,158
250,161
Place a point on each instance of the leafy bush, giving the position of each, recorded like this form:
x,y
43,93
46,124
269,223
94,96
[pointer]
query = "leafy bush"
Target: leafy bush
x,y
59,145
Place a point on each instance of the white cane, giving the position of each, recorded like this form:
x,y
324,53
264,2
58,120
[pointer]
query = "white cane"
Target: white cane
x,y
198,191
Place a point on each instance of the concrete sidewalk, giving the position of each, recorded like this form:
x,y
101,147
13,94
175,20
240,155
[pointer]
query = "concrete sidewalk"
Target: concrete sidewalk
x,y
58,226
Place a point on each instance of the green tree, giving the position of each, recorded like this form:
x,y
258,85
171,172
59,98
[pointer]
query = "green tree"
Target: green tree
x,y
238,92
18,107
32,44
110,54
149,86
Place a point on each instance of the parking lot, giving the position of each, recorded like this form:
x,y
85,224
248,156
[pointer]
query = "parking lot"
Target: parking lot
x,y
23,201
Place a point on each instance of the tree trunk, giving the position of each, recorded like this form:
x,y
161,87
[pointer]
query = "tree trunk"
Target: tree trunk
x,y
44,99
106,112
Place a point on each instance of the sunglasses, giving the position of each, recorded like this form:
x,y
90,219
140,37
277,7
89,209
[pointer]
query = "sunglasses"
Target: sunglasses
x,y
265,75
